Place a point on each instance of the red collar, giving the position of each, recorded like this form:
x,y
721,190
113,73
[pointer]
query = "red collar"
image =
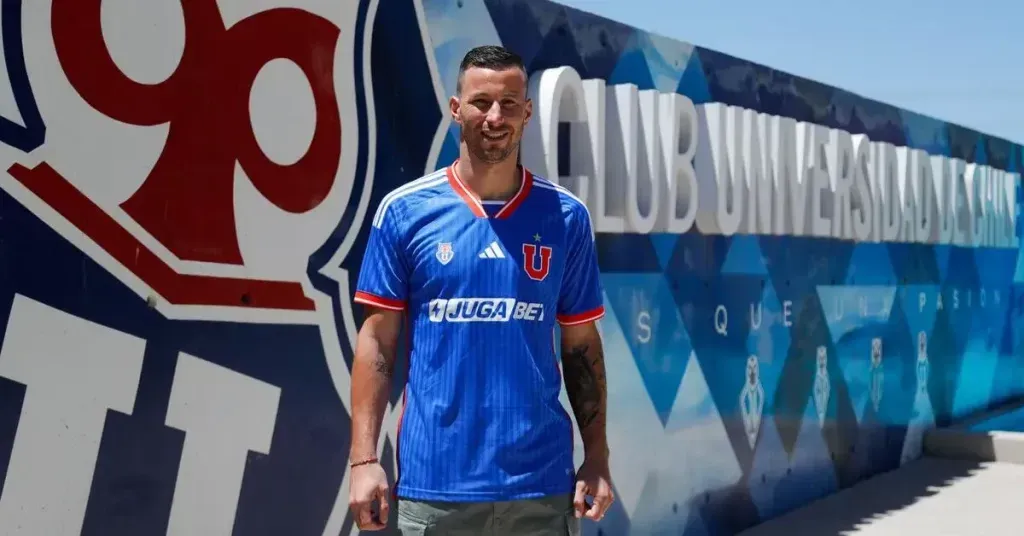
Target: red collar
x,y
473,201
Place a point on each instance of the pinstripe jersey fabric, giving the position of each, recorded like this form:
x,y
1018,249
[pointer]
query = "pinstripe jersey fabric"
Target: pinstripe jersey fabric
x,y
483,284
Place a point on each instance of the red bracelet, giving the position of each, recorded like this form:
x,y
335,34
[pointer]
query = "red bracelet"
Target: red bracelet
x,y
365,462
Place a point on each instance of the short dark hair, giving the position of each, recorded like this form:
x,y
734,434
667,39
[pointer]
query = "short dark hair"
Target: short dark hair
x,y
489,57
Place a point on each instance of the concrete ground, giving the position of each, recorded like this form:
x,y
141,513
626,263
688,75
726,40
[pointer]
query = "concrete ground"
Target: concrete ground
x,y
931,496
969,483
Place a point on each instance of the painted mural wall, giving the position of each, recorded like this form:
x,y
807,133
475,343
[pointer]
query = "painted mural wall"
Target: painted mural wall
x,y
800,280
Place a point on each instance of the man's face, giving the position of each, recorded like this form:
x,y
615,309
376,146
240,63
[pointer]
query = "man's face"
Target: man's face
x,y
492,110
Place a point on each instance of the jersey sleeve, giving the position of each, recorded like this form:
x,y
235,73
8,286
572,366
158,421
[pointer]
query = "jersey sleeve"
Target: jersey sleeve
x,y
581,298
384,276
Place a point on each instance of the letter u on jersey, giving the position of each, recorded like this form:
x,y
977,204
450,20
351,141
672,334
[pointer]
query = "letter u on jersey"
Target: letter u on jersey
x,y
537,273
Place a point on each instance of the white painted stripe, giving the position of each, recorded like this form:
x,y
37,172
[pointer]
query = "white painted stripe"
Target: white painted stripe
x,y
490,253
439,92
412,187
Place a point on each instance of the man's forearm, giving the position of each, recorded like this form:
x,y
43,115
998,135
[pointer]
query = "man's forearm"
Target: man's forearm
x,y
372,368
583,367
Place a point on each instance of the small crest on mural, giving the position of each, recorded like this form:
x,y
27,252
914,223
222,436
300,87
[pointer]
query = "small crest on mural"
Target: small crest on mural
x,y
877,374
822,385
752,401
444,252
922,362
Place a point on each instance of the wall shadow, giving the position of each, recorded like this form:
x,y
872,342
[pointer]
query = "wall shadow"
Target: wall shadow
x,y
854,508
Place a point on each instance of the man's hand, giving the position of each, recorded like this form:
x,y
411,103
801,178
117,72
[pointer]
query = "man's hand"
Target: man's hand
x,y
593,479
583,372
368,485
371,378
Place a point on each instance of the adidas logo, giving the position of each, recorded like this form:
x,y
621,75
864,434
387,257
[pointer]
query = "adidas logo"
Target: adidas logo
x,y
492,251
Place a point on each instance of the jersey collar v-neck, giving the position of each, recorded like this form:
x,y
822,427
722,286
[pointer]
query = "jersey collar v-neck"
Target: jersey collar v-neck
x,y
473,201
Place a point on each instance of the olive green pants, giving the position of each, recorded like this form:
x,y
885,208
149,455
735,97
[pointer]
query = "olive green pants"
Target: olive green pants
x,y
548,516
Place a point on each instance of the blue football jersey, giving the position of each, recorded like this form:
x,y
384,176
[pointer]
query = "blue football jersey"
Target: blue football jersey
x,y
482,284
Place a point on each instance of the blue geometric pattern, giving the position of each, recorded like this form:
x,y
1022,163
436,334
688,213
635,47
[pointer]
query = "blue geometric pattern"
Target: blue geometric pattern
x,y
698,313
647,299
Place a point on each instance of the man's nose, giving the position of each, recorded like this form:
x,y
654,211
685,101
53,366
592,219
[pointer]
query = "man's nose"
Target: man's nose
x,y
495,115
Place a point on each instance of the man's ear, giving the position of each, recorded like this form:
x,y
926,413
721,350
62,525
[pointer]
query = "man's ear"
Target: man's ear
x,y
529,111
453,105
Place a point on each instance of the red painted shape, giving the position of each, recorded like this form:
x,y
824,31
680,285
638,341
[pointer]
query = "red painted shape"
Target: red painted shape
x,y
179,289
537,273
187,200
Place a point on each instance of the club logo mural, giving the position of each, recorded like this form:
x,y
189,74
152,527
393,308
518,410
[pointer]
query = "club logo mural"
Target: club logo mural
x,y
216,157
220,201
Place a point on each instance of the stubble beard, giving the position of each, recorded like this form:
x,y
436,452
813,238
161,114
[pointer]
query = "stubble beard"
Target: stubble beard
x,y
496,156
490,156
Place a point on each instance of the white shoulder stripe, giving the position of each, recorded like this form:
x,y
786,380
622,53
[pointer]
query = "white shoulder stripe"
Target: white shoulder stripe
x,y
399,190
547,185
413,183
378,218
550,186
544,183
419,184
426,178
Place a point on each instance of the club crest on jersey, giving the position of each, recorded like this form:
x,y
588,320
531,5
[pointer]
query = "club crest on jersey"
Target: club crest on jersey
x,y
536,265
444,252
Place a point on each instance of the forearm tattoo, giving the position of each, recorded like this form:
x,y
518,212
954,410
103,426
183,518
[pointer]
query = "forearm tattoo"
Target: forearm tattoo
x,y
383,366
585,383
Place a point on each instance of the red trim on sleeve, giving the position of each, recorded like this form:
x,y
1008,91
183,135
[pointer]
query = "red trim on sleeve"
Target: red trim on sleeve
x,y
581,318
379,301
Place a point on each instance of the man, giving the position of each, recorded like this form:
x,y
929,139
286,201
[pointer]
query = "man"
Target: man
x,y
484,258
